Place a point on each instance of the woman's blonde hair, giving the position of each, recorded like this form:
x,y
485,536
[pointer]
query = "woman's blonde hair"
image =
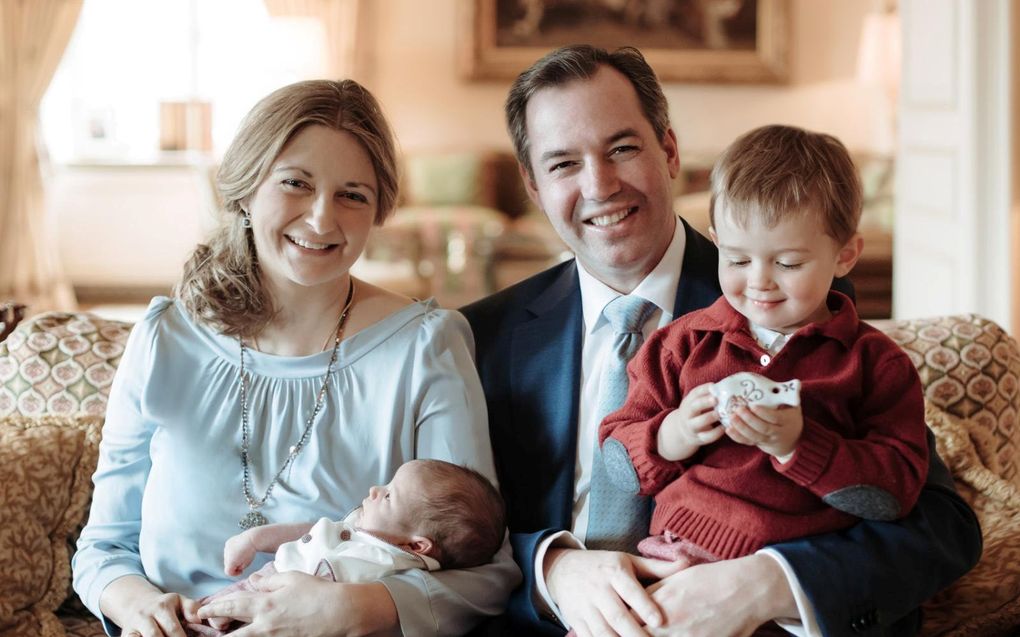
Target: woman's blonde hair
x,y
221,285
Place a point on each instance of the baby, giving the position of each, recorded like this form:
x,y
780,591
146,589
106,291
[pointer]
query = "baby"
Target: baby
x,y
432,515
785,209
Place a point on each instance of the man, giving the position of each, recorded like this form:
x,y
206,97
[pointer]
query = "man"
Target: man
x,y
597,154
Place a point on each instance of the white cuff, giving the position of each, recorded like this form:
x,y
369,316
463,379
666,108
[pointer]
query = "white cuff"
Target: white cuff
x,y
543,601
807,626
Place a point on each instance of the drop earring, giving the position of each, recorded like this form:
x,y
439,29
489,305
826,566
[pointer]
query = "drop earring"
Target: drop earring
x,y
245,219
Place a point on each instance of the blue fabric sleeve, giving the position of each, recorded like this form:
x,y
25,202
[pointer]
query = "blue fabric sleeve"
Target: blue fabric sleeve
x,y
452,425
521,613
108,546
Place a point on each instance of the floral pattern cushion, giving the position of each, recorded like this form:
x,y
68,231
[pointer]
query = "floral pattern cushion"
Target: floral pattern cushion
x,y
46,467
986,601
60,363
970,368
78,621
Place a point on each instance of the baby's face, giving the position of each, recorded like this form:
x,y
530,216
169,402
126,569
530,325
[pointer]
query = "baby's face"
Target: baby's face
x,y
389,511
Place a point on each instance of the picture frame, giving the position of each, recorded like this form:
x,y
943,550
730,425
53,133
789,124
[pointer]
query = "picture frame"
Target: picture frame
x,y
720,41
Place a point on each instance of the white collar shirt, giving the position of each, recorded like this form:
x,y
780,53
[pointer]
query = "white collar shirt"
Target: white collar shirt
x,y
770,340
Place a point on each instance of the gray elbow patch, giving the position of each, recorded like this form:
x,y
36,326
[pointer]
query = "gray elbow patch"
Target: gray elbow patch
x,y
864,501
619,468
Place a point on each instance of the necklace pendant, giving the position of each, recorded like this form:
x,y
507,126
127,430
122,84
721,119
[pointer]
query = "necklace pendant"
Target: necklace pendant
x,y
251,520
254,518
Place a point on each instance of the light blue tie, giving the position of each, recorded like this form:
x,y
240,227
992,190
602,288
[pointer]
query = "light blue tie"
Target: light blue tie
x,y
617,520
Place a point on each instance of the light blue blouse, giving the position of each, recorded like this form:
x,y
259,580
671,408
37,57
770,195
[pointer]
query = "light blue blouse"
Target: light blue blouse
x,y
168,485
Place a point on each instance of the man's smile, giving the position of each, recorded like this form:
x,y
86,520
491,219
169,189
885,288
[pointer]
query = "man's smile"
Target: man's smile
x,y
611,218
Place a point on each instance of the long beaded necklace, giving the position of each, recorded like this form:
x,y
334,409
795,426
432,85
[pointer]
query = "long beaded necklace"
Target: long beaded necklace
x,y
254,517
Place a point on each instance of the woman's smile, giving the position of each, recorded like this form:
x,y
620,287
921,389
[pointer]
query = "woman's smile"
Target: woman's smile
x,y
310,245
312,214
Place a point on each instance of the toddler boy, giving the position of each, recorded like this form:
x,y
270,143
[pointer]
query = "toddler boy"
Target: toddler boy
x,y
785,209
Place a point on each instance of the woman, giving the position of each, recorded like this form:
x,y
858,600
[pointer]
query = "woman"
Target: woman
x,y
276,387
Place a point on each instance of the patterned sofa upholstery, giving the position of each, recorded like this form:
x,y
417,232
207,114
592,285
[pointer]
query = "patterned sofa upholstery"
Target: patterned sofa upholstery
x,y
57,368
970,369
61,365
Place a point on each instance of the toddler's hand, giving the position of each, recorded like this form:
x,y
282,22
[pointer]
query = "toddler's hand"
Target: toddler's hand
x,y
774,430
238,553
693,424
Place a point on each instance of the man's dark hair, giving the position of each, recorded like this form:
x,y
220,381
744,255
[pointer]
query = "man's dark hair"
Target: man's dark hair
x,y
581,62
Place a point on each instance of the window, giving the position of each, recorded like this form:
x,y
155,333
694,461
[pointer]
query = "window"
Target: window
x,y
128,56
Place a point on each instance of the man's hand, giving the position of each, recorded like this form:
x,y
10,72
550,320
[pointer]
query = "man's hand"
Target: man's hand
x,y
692,425
599,593
774,430
730,598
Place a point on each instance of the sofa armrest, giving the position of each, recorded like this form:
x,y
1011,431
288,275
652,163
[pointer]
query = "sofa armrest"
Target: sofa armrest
x,y
969,368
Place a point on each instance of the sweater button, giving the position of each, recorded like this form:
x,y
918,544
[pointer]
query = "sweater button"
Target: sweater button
x,y
765,359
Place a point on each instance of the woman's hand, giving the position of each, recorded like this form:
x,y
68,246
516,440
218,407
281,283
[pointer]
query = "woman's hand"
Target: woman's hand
x,y
294,603
142,610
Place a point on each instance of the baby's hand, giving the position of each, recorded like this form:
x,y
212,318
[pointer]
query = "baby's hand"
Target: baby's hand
x,y
238,553
774,430
693,424
220,623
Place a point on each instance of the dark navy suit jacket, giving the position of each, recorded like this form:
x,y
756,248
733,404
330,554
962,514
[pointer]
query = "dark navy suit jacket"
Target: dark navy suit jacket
x,y
867,580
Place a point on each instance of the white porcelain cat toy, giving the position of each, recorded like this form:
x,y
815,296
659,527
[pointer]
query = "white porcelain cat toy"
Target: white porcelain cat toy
x,y
748,388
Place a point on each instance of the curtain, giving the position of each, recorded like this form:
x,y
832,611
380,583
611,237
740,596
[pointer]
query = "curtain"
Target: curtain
x,y
341,20
33,37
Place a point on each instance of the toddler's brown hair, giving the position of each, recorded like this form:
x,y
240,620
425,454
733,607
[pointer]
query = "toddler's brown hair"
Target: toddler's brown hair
x,y
775,171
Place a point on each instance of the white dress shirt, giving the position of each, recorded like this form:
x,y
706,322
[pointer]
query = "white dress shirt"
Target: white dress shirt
x,y
659,287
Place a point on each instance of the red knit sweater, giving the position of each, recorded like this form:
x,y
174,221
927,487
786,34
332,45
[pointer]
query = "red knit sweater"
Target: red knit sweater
x,y
863,425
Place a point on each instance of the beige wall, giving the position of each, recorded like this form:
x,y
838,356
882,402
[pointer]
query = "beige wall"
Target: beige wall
x,y
121,227
411,65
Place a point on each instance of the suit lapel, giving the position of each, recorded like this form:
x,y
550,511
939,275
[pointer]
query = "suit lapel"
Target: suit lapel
x,y
545,381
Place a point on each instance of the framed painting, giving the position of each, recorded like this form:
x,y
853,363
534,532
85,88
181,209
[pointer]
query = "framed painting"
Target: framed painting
x,y
683,40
